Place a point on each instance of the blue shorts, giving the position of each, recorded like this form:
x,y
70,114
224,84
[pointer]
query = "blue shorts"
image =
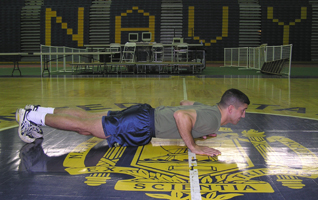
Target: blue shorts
x,y
133,126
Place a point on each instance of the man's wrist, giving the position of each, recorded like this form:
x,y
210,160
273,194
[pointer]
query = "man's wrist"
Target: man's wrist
x,y
192,147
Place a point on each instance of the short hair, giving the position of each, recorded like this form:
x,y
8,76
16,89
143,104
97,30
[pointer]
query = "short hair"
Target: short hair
x,y
233,97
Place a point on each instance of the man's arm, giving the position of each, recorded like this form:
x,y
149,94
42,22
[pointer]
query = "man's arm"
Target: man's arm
x,y
185,120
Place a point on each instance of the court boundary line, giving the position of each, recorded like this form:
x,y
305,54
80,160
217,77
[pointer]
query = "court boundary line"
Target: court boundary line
x,y
194,177
9,127
193,173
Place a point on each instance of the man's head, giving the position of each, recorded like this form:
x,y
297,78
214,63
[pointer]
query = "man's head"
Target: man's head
x,y
233,97
235,103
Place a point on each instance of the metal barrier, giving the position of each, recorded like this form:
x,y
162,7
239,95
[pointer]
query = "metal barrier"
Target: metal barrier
x,y
59,61
236,57
64,59
255,57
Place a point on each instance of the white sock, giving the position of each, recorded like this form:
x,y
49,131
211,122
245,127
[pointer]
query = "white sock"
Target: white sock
x,y
37,117
48,110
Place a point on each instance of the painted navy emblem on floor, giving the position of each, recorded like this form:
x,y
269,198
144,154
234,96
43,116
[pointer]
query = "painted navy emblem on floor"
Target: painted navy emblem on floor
x,y
263,157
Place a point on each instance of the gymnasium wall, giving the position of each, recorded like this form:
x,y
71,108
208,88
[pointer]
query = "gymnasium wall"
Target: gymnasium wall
x,y
216,24
69,23
288,22
10,25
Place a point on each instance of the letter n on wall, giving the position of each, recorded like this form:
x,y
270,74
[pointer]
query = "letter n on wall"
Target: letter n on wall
x,y
79,37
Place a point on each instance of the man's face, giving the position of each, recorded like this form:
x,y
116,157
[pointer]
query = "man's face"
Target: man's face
x,y
238,113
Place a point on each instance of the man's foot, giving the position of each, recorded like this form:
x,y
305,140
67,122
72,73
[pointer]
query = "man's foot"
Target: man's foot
x,y
38,133
31,107
28,131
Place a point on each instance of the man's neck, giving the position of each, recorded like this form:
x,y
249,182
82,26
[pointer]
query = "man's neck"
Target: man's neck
x,y
223,116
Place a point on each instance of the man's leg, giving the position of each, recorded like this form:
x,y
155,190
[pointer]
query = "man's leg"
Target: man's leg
x,y
77,112
75,119
83,126
78,120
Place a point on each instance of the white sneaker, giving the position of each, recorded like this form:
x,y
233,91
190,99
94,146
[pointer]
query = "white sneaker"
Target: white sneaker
x,y
28,131
37,133
31,107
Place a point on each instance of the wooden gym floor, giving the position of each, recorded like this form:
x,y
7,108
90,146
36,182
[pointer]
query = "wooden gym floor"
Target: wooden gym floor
x,y
271,154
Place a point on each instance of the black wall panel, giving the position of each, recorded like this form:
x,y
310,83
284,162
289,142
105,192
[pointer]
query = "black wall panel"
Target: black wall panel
x,y
288,14
67,2
10,14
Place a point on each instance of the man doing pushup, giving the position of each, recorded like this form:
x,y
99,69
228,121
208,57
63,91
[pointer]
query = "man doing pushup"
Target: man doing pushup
x,y
138,124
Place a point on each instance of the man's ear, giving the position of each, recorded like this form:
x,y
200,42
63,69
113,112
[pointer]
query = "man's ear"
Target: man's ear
x,y
230,108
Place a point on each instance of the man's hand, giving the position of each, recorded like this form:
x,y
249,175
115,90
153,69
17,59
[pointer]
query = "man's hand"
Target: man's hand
x,y
185,120
210,135
204,150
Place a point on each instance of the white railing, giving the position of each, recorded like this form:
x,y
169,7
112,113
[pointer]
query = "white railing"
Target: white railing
x,y
59,63
255,57
236,57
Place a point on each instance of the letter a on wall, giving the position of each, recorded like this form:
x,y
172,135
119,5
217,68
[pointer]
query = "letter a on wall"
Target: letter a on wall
x,y
119,28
